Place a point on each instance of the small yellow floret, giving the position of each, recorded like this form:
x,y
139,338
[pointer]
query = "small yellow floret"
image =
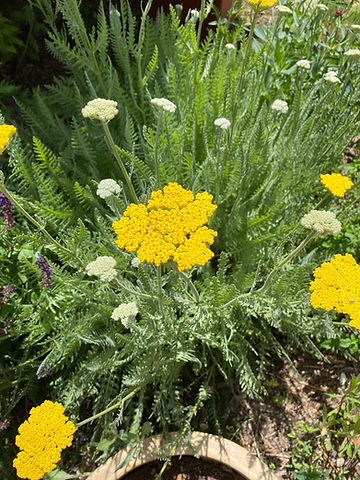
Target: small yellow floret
x,y
336,285
6,132
337,184
41,439
169,227
264,4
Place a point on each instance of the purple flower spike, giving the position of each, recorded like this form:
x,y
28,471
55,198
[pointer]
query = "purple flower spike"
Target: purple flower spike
x,y
43,371
7,211
6,292
45,270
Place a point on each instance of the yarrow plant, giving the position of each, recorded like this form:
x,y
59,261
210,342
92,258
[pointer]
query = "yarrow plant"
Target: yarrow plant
x,y
261,4
223,123
41,439
303,64
108,187
331,77
336,285
102,267
280,106
6,132
336,183
169,227
322,222
164,104
100,109
126,313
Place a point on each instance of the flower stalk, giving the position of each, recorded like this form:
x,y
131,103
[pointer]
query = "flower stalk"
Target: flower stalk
x,y
27,215
111,144
109,409
287,259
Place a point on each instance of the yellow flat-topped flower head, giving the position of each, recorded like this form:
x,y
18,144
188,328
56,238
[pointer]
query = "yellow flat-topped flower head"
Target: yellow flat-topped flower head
x,y
41,439
336,285
263,4
6,132
170,227
337,184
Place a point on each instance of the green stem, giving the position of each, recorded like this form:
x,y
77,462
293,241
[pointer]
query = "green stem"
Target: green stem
x,y
217,185
132,292
158,274
27,215
240,85
156,160
107,410
286,260
181,436
188,281
115,152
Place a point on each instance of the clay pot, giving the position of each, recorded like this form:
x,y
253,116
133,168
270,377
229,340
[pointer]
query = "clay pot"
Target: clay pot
x,y
209,447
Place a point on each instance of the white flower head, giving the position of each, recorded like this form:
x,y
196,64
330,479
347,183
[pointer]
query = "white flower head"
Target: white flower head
x,y
100,109
352,53
126,313
283,9
303,64
164,104
280,106
322,222
355,27
135,262
107,187
195,13
322,7
223,123
230,47
102,267
331,77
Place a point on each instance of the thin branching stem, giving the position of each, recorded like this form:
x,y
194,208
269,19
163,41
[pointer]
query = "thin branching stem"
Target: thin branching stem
x,y
287,259
109,409
115,152
27,215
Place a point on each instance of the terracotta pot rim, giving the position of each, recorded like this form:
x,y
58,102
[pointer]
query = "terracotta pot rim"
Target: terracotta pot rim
x,y
208,446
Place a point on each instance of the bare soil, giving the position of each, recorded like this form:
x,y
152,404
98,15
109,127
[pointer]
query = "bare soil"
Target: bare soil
x,y
185,468
265,424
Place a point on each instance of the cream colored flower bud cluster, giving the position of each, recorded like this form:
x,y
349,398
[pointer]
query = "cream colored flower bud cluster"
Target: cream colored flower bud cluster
x,y
322,222
352,53
102,267
108,187
222,123
331,77
283,9
164,104
100,109
126,313
280,106
303,64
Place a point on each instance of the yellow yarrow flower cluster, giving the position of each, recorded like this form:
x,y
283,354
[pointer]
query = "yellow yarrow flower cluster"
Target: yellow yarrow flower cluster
x,y
6,132
337,286
264,4
169,227
337,184
41,439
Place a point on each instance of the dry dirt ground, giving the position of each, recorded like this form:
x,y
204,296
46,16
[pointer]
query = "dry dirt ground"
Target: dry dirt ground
x,y
293,399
